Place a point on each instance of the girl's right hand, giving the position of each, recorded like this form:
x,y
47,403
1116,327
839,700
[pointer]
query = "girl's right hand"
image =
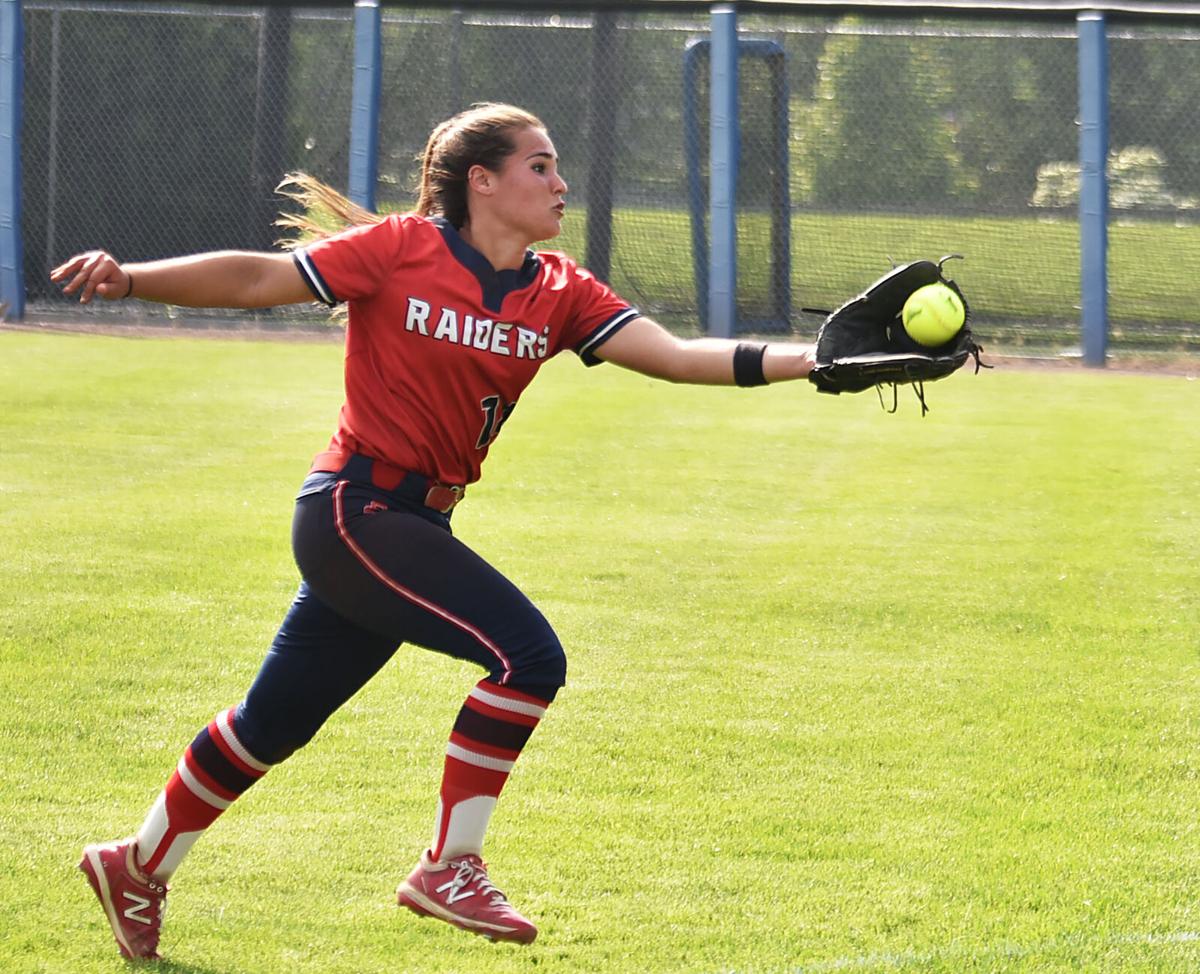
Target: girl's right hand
x,y
96,272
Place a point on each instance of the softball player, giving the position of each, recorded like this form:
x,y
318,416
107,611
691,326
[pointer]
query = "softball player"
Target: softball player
x,y
450,317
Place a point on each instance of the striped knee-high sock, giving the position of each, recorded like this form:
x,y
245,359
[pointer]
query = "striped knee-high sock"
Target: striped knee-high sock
x,y
214,770
492,727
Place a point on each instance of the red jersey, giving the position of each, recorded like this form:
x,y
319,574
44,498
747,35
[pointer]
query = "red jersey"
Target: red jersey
x,y
439,344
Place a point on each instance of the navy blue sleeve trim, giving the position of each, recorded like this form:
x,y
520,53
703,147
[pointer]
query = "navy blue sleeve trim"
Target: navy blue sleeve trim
x,y
586,349
312,277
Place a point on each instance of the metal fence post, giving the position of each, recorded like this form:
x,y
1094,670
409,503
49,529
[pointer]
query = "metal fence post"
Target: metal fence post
x,y
364,104
12,264
1093,185
723,162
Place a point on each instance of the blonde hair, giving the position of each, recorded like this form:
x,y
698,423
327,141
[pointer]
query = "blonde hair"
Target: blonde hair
x,y
483,135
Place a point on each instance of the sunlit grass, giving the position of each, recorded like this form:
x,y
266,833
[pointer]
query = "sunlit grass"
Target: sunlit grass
x,y
847,691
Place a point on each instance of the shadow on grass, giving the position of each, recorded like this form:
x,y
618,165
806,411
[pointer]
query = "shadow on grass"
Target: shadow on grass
x,y
168,966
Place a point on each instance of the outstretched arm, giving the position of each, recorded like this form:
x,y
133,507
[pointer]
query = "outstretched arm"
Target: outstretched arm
x,y
222,279
645,346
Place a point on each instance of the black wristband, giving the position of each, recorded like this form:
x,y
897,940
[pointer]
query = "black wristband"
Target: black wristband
x,y
130,291
748,364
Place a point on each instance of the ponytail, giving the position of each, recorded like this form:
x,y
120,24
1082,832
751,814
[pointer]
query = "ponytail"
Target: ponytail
x,y
323,211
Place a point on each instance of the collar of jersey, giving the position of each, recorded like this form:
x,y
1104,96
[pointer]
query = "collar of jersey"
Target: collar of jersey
x,y
495,285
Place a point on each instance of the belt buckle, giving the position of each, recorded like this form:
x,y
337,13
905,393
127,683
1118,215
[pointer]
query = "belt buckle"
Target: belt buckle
x,y
443,497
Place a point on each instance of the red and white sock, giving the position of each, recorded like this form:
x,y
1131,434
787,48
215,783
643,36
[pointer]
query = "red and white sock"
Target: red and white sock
x,y
214,770
489,733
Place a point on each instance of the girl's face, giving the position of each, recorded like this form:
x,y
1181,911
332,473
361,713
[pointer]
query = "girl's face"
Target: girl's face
x,y
527,193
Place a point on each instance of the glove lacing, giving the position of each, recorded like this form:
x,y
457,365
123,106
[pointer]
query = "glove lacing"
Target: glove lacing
x,y
918,390
975,350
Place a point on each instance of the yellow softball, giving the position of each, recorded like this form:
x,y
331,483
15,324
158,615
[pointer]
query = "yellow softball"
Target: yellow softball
x,y
933,314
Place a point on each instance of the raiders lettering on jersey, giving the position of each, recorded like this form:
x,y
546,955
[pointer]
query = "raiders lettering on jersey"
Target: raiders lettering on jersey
x,y
461,328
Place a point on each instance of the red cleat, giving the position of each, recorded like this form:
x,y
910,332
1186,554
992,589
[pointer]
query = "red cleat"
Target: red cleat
x,y
133,902
458,891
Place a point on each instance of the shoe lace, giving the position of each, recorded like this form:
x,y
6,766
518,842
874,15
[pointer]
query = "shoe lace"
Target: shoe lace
x,y
470,872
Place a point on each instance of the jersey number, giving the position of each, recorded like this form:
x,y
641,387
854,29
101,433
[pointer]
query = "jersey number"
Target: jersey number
x,y
495,412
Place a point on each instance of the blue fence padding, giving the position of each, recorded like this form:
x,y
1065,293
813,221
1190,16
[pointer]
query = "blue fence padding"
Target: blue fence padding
x,y
1093,185
722,175
12,264
364,108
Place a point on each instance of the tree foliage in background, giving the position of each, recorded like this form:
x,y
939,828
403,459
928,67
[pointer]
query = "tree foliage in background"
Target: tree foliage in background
x,y
1153,104
1013,103
963,122
873,135
1136,181
435,69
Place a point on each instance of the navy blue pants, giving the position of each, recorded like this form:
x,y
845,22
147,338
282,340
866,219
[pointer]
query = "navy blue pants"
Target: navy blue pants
x,y
380,569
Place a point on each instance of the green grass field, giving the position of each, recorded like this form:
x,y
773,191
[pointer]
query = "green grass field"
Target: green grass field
x,y
848,691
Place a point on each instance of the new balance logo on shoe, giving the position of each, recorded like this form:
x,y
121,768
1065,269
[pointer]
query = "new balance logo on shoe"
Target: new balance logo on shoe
x,y
135,912
459,892
456,886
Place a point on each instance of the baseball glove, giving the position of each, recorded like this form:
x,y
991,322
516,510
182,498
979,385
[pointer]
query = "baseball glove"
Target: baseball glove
x,y
863,344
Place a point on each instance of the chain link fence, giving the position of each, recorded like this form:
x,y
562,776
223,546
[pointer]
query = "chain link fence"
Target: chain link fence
x,y
154,130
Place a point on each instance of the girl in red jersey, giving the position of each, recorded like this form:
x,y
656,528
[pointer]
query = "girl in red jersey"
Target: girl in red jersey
x,y
450,315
